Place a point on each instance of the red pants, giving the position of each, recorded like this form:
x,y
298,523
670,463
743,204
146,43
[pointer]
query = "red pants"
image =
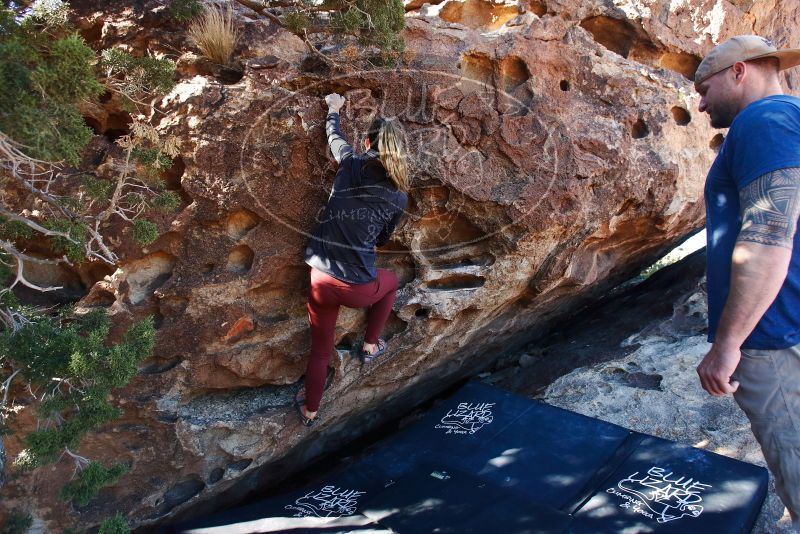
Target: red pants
x,y
325,296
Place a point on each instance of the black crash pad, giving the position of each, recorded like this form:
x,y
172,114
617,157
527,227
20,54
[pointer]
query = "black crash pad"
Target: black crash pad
x,y
486,459
433,499
330,505
667,487
529,447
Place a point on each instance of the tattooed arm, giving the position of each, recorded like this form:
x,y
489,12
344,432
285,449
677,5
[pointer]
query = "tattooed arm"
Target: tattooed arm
x,y
770,207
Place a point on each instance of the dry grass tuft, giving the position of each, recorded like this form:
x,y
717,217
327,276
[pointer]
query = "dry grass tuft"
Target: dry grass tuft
x,y
214,33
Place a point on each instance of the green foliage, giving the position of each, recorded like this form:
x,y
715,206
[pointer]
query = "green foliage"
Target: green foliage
x,y
376,22
70,202
12,230
89,482
112,367
17,523
348,21
115,525
8,299
151,154
44,446
296,21
75,249
167,200
67,77
45,71
152,157
50,13
68,358
142,74
185,9
388,19
144,231
41,347
96,188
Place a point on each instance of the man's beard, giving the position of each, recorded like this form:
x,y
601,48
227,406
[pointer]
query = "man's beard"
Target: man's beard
x,y
722,115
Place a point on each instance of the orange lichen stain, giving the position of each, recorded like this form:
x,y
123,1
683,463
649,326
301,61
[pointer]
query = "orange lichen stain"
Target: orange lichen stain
x,y
242,326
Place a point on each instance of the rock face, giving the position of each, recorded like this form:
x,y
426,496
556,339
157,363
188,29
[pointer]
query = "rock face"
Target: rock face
x,y
555,150
602,332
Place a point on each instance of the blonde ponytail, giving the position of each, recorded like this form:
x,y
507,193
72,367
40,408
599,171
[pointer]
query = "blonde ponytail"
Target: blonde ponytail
x,y
391,150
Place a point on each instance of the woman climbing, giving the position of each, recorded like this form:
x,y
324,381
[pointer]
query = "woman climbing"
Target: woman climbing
x,y
367,200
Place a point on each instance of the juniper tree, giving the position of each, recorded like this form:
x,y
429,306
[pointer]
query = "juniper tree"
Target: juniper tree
x,y
71,370
47,72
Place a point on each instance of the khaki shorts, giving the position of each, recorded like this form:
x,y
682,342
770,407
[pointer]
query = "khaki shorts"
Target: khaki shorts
x,y
769,393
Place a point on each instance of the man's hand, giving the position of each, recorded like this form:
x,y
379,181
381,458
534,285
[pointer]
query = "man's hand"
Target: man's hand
x,y
716,369
335,102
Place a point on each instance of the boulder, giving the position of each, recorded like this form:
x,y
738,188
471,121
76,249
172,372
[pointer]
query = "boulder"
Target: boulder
x,y
555,150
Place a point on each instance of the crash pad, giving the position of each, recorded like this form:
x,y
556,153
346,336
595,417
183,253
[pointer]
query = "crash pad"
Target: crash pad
x,y
486,459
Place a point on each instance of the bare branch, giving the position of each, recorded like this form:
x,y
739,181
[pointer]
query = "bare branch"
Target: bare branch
x,y
258,7
6,387
314,50
261,7
11,153
115,197
24,169
13,319
20,277
108,256
80,461
370,25
273,18
35,226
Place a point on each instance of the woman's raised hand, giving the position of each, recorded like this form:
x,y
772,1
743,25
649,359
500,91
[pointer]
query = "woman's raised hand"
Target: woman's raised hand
x,y
335,102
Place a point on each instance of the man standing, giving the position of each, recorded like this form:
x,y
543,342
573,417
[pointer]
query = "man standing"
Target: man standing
x,y
752,197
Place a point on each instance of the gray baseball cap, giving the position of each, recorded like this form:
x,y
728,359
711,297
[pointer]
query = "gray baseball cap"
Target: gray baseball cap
x,y
743,48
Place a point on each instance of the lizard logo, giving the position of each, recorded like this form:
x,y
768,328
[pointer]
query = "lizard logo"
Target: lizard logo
x,y
329,501
667,496
467,418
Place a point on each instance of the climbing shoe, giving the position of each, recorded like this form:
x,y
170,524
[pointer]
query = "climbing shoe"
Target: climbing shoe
x,y
380,350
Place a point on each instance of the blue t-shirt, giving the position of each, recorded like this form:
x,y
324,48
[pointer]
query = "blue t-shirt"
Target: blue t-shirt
x,y
764,137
